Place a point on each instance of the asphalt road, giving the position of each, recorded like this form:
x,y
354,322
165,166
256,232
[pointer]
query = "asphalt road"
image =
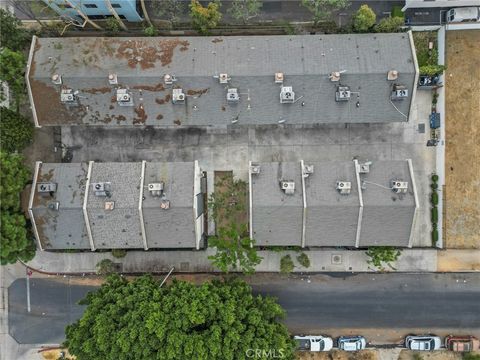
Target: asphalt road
x,y
382,307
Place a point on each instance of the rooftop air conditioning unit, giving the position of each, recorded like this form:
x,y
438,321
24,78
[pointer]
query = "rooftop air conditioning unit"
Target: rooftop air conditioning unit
x,y
392,75
399,186
279,78
67,96
46,187
223,78
232,95
255,169
342,94
344,187
57,79
399,92
307,170
112,79
288,186
101,188
178,96
169,79
124,98
287,95
156,189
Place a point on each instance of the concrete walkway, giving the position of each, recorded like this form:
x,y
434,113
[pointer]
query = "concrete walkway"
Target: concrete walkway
x,y
197,261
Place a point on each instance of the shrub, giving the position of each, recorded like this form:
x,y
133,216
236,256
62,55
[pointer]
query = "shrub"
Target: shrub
x,y
105,267
364,19
431,70
434,178
16,131
390,25
150,31
205,18
434,236
382,254
119,253
434,198
434,186
303,260
434,213
286,264
112,25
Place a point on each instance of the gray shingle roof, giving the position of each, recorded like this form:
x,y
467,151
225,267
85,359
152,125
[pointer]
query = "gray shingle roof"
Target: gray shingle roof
x,y
251,62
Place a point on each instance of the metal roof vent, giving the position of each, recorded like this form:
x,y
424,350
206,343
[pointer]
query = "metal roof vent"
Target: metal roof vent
x,y
169,79
343,93
399,186
46,187
109,205
335,76
279,78
101,188
344,187
165,204
307,170
124,98
287,96
112,79
156,189
178,96
364,168
288,186
399,92
55,205
57,79
392,75
255,169
67,96
232,95
223,78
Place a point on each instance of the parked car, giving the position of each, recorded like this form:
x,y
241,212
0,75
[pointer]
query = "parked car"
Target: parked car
x,y
352,343
462,343
314,343
423,342
463,14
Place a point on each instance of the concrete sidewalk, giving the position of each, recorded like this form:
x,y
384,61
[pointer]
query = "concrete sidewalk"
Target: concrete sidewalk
x,y
327,260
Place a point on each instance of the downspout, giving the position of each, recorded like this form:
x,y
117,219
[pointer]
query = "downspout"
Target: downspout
x,y
27,80
84,207
140,206
415,195
30,204
360,209
83,16
115,15
417,72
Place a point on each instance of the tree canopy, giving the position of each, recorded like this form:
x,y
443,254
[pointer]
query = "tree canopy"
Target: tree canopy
x,y
12,34
139,320
205,18
16,131
378,255
244,10
364,19
322,9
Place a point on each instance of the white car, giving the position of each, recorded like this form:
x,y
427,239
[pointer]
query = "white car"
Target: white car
x,y
351,343
463,14
423,342
314,343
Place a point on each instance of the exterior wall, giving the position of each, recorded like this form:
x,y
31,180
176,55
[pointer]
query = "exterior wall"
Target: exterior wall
x,y
198,210
438,3
127,9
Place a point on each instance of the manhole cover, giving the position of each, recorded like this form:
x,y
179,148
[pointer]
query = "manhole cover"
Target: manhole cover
x,y
337,259
184,266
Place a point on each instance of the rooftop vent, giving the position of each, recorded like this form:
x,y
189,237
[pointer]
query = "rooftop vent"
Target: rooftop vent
x,y
335,75
223,78
178,96
124,98
307,170
101,188
165,204
287,96
109,205
392,75
67,96
232,95
399,92
46,187
112,79
57,79
255,169
169,79
342,94
288,186
399,186
279,78
54,205
156,189
364,168
344,187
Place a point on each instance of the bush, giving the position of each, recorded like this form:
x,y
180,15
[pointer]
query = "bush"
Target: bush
x,y
364,19
105,267
112,25
150,31
286,264
303,260
434,198
16,131
434,178
382,254
434,213
205,18
119,253
431,70
434,186
390,25
434,236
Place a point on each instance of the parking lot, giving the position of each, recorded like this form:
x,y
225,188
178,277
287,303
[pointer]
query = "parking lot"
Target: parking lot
x,y
231,148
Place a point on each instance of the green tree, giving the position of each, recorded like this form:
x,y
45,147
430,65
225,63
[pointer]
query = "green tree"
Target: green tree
x,y
244,10
390,25
170,10
16,131
215,320
14,175
205,18
378,255
323,9
12,34
303,260
12,70
364,19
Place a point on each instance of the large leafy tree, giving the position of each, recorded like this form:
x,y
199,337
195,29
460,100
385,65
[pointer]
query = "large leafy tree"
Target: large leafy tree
x,y
139,320
382,255
205,18
244,10
323,9
16,131
12,34
364,19
12,70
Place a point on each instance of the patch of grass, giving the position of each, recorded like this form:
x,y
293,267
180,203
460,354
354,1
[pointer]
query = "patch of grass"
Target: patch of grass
x,y
397,12
426,56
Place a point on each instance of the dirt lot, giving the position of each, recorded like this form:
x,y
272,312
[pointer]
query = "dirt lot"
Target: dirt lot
x,y
462,167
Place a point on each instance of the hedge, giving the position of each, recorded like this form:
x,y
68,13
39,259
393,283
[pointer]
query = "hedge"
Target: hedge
x,y
435,178
434,198
434,237
434,214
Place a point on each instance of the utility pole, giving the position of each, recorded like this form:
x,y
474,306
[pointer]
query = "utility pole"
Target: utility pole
x,y
28,272
165,278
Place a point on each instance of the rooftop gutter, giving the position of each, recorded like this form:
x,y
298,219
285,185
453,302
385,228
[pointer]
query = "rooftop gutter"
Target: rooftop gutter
x,y
27,80
417,72
84,207
30,204
415,195
140,206
304,195
360,209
